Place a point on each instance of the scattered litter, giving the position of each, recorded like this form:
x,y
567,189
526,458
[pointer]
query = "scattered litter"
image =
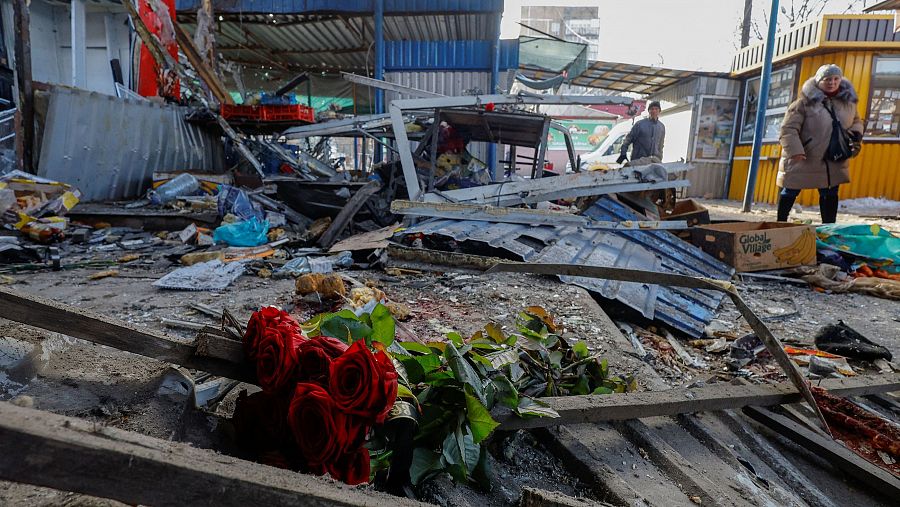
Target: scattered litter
x,y
843,340
250,232
183,184
824,366
192,258
234,201
212,275
717,346
104,274
326,286
300,265
189,233
685,356
744,351
720,328
318,228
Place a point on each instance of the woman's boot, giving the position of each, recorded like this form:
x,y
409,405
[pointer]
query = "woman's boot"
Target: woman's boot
x,y
785,203
828,206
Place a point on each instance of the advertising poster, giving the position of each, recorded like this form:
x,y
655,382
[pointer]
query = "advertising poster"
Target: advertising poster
x,y
586,134
715,128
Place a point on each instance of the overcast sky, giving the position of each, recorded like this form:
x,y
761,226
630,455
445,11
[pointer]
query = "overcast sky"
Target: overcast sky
x,y
681,34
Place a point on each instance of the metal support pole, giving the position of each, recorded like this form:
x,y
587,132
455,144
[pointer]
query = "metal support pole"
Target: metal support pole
x,y
79,45
761,109
379,66
495,79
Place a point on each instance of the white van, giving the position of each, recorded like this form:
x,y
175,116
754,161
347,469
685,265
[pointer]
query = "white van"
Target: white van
x,y
609,149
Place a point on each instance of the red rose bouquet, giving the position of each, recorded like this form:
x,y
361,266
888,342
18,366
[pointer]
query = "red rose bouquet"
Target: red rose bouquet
x,y
320,398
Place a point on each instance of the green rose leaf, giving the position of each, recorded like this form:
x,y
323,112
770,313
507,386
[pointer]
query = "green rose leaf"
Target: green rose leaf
x,y
507,395
425,463
530,407
479,418
383,326
345,326
463,371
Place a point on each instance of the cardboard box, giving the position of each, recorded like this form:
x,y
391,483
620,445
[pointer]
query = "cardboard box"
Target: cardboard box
x,y
758,246
688,210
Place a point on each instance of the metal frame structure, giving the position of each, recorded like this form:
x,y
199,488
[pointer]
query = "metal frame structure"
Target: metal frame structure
x,y
402,139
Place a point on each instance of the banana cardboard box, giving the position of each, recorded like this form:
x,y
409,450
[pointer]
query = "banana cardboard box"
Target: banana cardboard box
x,y
758,246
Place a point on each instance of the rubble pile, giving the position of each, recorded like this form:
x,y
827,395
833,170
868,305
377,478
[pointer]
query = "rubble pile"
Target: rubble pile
x,y
437,322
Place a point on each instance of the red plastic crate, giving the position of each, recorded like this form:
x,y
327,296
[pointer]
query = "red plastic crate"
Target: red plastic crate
x,y
292,112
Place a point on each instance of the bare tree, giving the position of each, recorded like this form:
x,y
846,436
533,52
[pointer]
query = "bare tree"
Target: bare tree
x,y
796,12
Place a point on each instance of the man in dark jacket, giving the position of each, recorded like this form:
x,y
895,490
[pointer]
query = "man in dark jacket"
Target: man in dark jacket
x,y
647,136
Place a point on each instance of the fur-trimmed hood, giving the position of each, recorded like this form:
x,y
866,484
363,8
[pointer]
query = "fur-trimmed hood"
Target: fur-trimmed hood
x,y
812,93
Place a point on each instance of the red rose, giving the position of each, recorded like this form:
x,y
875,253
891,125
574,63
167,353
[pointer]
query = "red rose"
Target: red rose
x,y
314,358
352,467
266,317
318,427
276,357
260,422
363,384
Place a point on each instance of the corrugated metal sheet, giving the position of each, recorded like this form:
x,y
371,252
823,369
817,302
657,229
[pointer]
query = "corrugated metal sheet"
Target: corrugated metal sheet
x,y
872,174
349,6
108,147
445,83
438,27
448,55
687,310
330,42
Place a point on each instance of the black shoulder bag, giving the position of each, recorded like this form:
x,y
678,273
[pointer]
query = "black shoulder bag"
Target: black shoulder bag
x,y
839,148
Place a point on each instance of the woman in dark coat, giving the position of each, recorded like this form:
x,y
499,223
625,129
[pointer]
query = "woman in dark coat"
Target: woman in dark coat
x,y
805,136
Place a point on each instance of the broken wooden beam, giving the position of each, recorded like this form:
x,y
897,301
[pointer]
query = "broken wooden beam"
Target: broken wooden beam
x,y
354,204
619,407
842,458
438,260
59,317
71,454
526,216
218,89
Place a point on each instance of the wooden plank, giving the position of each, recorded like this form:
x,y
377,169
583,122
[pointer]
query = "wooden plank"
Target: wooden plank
x,y
61,318
879,479
354,204
71,454
209,77
22,50
618,407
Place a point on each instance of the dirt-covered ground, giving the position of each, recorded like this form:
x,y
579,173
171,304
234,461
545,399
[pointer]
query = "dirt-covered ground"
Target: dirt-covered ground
x,y
54,372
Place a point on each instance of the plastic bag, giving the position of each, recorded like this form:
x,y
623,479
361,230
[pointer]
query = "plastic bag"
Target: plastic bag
x,y
247,233
235,201
300,265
